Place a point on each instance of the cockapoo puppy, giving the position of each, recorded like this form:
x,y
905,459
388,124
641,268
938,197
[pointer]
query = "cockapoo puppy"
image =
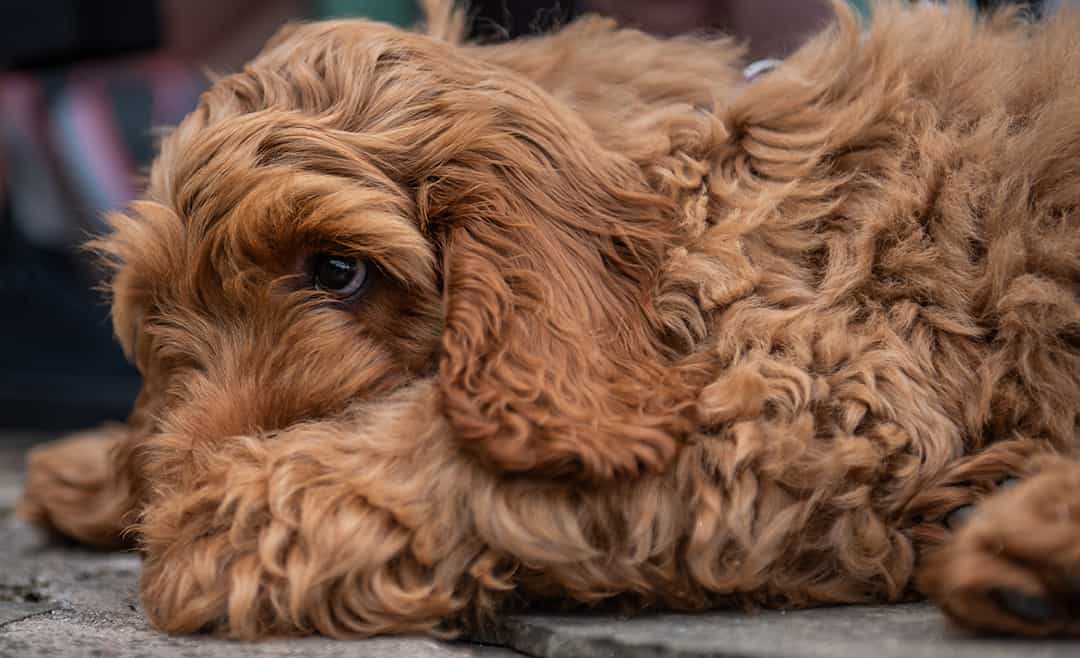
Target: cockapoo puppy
x,y
432,330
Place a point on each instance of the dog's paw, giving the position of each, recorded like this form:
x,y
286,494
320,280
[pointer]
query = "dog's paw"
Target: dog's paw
x,y
1013,564
72,487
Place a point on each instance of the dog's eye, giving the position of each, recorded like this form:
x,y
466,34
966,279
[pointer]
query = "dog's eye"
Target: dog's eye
x,y
340,275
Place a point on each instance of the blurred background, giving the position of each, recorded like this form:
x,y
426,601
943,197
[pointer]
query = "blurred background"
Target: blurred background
x,y
85,83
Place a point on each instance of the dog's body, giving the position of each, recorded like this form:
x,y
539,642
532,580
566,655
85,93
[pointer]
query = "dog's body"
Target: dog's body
x,y
634,331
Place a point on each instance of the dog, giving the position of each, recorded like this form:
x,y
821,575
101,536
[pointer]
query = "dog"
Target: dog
x,y
432,330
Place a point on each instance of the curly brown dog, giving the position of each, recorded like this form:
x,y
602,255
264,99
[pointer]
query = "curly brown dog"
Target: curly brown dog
x,y
432,330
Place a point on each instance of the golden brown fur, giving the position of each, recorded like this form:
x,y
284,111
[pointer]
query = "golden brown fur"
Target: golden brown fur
x,y
641,333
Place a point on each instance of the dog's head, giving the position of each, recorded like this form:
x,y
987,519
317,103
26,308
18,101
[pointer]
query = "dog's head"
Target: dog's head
x,y
362,207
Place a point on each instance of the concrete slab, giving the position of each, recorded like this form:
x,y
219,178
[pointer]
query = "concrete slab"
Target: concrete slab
x,y
899,631
16,610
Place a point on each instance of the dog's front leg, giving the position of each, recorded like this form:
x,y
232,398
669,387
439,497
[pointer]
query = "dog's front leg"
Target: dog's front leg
x,y
1014,566
76,486
1000,537
344,528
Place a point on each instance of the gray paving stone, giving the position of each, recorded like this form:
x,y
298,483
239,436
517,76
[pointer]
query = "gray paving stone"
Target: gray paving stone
x,y
16,610
899,631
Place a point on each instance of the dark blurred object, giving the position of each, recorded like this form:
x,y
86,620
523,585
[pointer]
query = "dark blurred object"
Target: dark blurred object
x,y
59,365
495,20
1036,8
771,27
40,32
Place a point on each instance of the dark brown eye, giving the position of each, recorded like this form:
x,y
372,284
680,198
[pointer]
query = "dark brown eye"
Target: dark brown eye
x,y
340,275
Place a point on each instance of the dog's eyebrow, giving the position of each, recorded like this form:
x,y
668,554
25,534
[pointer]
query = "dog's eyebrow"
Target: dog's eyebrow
x,y
389,238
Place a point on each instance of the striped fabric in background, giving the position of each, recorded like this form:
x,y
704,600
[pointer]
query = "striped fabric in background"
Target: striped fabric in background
x,y
73,140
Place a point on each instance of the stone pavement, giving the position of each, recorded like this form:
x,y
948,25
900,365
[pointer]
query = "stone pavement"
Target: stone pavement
x,y
61,600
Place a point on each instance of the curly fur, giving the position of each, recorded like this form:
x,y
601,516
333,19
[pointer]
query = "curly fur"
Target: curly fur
x,y
640,334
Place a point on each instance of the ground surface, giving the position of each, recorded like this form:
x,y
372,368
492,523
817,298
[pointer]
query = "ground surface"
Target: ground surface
x,y
59,600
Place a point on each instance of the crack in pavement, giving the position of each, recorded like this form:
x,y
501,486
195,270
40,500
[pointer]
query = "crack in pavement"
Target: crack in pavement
x,y
11,611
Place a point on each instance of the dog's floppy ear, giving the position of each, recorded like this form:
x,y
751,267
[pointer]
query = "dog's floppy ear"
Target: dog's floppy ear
x,y
552,361
553,354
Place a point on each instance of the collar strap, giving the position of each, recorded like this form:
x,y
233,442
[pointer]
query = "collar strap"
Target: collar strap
x,y
759,68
